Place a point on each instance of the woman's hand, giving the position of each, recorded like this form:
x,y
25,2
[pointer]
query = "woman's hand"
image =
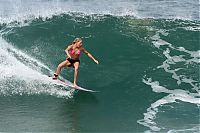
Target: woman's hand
x,y
96,61
68,55
67,51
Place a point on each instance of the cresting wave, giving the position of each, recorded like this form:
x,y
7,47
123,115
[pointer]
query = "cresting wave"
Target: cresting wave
x,y
189,59
23,11
22,74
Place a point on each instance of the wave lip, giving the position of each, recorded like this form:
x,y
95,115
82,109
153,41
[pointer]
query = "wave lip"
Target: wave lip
x,y
19,10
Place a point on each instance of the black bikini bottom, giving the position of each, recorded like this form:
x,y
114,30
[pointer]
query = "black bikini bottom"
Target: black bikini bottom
x,y
72,61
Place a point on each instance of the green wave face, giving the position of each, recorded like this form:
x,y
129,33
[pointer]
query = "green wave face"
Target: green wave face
x,y
148,72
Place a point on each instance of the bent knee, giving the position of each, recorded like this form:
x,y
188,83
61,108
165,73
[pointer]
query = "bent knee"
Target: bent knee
x,y
60,66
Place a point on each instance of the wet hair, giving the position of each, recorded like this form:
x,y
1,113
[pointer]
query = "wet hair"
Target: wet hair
x,y
76,40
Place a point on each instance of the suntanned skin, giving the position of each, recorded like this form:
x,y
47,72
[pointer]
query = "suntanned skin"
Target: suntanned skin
x,y
75,46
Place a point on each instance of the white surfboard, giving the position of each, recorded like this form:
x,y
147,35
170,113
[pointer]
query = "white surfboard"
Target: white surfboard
x,y
69,84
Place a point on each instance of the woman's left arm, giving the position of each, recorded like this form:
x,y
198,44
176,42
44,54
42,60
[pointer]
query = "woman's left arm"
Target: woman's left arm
x,y
90,55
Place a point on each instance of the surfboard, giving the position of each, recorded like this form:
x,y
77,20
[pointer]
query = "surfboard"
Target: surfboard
x,y
69,84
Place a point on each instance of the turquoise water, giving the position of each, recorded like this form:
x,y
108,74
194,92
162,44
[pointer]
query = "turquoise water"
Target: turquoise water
x,y
148,76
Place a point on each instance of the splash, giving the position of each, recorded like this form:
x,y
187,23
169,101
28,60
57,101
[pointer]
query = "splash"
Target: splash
x,y
22,74
22,11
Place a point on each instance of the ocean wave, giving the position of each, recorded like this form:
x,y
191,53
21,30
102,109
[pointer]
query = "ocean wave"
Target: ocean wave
x,y
22,74
21,11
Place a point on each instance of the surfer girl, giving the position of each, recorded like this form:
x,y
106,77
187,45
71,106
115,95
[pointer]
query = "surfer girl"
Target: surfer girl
x,y
73,52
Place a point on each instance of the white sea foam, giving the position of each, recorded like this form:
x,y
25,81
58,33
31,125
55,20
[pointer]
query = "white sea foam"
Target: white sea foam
x,y
17,10
186,57
194,57
191,28
21,10
18,77
173,96
190,130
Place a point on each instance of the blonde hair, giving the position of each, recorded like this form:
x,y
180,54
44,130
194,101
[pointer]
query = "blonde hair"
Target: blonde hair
x,y
76,40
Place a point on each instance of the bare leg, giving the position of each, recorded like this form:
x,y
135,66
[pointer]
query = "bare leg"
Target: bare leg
x,y
60,66
76,66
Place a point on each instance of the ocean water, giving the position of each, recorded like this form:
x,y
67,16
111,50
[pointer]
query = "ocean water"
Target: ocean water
x,y
148,76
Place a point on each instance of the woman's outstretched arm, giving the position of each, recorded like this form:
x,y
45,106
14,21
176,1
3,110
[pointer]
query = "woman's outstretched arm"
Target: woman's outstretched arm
x,y
90,55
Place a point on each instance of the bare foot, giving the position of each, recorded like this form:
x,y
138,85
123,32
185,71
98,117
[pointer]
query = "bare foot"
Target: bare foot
x,y
75,86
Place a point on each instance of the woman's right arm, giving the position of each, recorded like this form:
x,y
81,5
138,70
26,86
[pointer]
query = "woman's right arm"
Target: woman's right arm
x,y
67,50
